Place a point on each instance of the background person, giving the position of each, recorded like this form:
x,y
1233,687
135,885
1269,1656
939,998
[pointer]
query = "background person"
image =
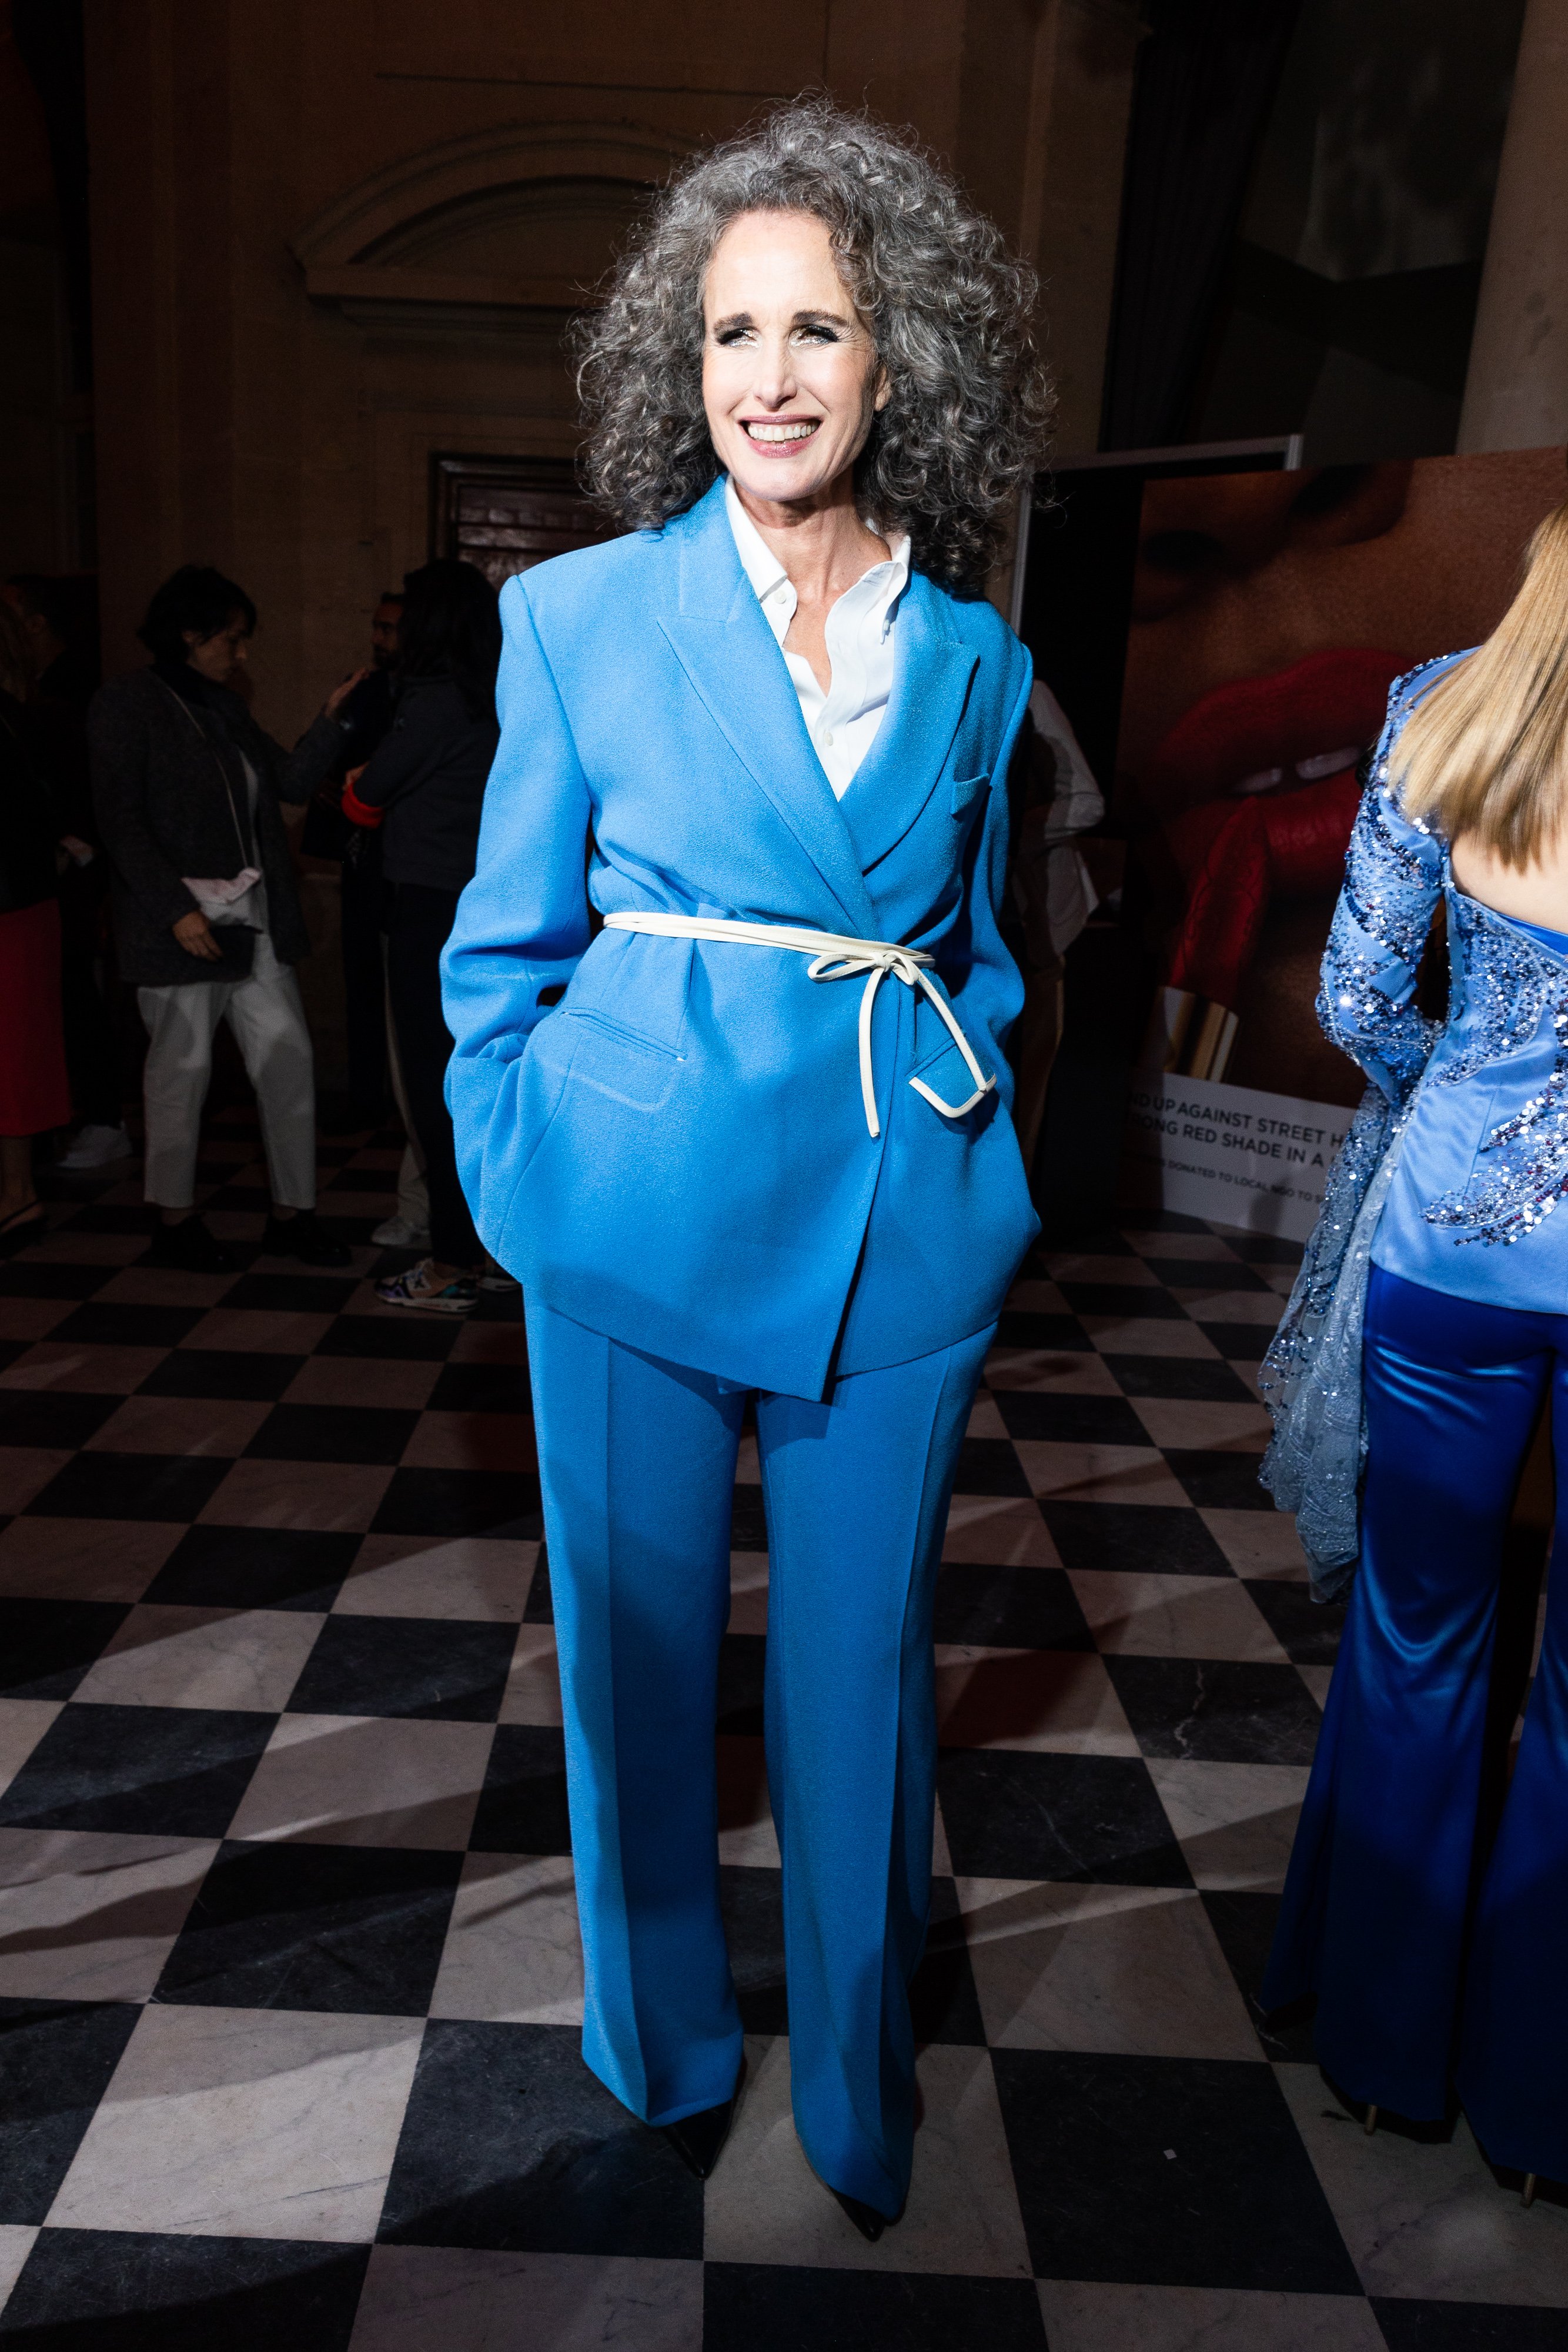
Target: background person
x,y
1430,1311
207,918
781,700
425,789
34,1093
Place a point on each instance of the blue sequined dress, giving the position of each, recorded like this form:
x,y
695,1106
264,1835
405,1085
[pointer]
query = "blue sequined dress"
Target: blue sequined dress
x,y
1458,1154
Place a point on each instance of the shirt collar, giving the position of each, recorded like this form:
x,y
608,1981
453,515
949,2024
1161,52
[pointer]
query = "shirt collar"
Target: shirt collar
x,y
764,570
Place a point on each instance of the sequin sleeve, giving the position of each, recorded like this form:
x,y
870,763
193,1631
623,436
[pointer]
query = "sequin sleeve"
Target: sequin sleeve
x,y
1394,878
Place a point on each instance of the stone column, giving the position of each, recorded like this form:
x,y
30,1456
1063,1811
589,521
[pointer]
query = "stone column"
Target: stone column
x,y
1516,393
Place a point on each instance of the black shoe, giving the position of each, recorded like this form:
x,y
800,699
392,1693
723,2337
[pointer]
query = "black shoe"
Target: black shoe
x,y
866,2218
303,1236
699,2140
190,1247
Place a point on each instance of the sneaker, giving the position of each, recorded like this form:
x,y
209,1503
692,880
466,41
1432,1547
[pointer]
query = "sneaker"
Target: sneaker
x,y
190,1249
303,1236
97,1147
400,1232
414,1288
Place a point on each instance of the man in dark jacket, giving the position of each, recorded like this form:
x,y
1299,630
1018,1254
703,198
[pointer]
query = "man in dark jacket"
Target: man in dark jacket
x,y
207,921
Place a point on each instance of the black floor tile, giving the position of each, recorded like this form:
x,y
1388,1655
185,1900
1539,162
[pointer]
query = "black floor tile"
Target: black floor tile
x,y
316,1926
52,1416
448,1669
255,1568
55,2059
749,1521
481,1388
1308,1631
410,1339
540,1608
1058,1335
1411,2326
742,1663
220,1372
522,1806
52,1278
1010,1814
1217,1710
1206,1275
99,1324
498,1306
178,1771
1244,1925
509,2141
988,1465
293,1294
1166,2172
1073,1420
1143,1299
131,1487
768,2307
752,1904
1204,1377
333,1433
1267,1249
944,2005
126,2291
1244,1343
47,1646
1169,1221
111,1217
462,1503
1009,1609
1221,1481
1154,1539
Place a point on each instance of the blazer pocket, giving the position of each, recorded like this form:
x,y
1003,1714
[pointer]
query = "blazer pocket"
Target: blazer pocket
x,y
949,1077
967,791
615,1061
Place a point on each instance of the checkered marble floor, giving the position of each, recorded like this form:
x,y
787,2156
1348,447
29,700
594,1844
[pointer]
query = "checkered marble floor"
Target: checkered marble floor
x,y
289,1982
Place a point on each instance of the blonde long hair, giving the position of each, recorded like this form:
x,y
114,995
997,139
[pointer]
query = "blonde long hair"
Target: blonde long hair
x,y
1485,753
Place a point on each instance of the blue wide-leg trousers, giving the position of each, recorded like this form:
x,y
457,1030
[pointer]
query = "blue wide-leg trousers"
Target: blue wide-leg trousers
x,y
637,1462
1421,1981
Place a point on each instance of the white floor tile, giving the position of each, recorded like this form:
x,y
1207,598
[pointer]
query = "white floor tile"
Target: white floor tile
x,y
764,2204
352,1779
1235,1823
1134,1615
484,1579
165,1656
1130,1969
1081,2316
513,1953
87,1915
1050,1702
16,2245
23,1723
245,2123
468,2301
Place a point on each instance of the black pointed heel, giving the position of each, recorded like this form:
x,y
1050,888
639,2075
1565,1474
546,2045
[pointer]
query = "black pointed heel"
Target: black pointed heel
x,y
866,2218
698,2140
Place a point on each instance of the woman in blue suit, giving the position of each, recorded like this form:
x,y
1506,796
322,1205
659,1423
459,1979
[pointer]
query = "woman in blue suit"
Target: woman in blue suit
x,y
750,1138
1427,1330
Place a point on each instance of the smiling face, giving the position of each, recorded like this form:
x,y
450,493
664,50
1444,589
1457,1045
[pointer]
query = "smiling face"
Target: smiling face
x,y
790,377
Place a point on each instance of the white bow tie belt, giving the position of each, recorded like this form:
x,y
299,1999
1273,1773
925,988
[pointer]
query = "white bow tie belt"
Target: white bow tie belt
x,y
832,958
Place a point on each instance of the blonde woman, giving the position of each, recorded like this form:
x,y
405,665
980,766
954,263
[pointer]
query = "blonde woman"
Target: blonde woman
x,y
1427,1327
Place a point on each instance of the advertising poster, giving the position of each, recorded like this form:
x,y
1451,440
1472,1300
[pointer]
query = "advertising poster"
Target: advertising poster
x,y
1270,612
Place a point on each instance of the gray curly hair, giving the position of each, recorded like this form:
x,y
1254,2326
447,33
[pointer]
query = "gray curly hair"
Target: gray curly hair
x,y
948,305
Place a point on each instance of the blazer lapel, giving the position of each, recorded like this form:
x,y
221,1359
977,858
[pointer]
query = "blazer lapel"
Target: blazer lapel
x,y
932,671
729,655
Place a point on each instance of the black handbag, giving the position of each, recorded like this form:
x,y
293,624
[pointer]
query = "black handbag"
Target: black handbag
x,y
235,944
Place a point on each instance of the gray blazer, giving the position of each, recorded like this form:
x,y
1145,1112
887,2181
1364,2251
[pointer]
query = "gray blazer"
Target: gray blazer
x,y
164,789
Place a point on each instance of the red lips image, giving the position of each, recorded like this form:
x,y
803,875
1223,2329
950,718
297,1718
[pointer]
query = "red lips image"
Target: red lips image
x,y
1261,774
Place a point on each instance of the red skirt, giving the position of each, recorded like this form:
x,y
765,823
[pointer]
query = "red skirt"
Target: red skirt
x,y
33,1092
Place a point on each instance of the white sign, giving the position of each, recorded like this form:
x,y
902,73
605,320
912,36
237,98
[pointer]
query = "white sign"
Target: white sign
x,y
1236,1155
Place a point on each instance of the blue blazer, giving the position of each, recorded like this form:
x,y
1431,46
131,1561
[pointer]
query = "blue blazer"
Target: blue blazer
x,y
674,1151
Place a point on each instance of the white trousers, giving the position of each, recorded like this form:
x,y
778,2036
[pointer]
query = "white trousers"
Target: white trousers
x,y
267,1019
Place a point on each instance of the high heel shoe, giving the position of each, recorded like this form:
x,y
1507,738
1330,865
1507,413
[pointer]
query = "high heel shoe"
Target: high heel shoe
x,y
866,2218
698,2139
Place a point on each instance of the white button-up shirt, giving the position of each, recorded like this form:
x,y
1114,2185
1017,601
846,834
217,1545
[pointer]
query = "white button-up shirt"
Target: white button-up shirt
x,y
844,722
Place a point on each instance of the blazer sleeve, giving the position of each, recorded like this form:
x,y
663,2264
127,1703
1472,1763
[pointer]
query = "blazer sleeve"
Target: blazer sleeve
x,y
522,924
117,745
976,962
312,760
1394,878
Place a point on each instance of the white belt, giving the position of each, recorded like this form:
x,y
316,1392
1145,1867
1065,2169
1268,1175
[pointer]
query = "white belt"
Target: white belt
x,y
832,958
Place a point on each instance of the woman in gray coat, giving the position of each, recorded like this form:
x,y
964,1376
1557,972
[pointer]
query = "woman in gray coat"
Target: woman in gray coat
x,y
207,921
